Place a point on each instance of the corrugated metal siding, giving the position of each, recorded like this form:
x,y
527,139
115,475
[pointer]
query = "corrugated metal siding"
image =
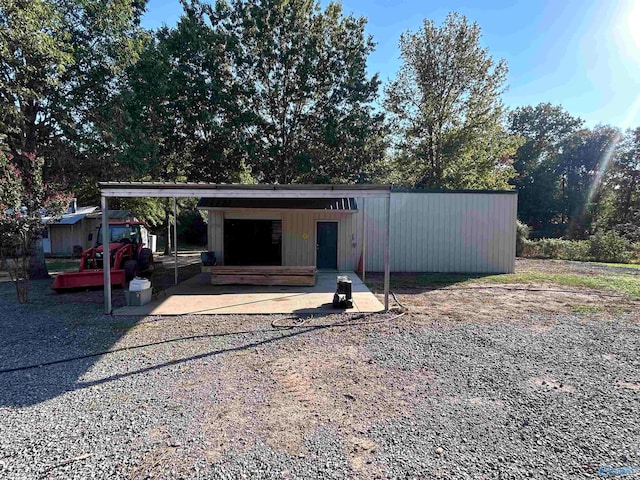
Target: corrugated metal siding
x,y
299,238
444,232
216,234
64,237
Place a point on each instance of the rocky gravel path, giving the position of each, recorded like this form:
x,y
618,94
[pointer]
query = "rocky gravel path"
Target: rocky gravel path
x,y
540,396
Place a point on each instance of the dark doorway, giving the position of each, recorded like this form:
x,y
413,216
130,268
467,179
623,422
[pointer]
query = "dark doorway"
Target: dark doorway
x,y
253,242
327,245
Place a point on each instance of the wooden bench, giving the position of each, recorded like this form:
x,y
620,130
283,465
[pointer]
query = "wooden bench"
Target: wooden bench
x,y
261,275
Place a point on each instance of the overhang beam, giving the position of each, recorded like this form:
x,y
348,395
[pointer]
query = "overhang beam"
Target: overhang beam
x,y
156,190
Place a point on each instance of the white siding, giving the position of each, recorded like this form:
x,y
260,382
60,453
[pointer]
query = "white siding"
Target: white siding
x,y
444,232
215,234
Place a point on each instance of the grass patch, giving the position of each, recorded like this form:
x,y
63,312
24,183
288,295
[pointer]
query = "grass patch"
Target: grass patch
x,y
63,264
587,309
597,264
626,285
622,265
622,284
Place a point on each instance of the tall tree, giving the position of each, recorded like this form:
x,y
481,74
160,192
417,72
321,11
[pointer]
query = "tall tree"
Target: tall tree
x,y
58,62
544,129
311,92
178,114
446,109
584,158
621,209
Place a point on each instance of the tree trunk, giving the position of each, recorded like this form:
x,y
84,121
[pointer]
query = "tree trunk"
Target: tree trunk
x,y
37,265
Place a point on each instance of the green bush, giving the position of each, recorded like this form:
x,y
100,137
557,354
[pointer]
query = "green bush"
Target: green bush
x,y
522,236
577,250
544,248
601,247
609,247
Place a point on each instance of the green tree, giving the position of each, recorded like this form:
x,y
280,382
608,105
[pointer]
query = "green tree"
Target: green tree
x,y
626,178
620,207
178,115
179,112
58,64
311,94
446,109
24,197
544,129
581,164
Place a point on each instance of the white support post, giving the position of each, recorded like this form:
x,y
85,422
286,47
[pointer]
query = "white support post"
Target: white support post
x,y
175,241
364,239
106,255
387,253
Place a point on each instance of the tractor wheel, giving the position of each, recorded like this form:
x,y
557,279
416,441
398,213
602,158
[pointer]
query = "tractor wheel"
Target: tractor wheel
x,y
130,270
145,259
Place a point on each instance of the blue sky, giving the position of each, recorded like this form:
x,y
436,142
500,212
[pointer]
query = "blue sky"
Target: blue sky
x,y
581,54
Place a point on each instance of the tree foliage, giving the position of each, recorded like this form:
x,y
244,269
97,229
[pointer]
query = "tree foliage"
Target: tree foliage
x,y
311,94
624,178
564,170
584,158
58,64
24,199
446,109
544,128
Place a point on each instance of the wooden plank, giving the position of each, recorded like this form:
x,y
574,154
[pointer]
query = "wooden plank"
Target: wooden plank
x,y
296,280
258,270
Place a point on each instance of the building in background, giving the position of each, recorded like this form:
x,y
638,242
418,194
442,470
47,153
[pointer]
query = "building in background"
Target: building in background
x,y
76,230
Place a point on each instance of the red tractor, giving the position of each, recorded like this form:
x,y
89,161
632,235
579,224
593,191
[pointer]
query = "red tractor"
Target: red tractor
x,y
128,257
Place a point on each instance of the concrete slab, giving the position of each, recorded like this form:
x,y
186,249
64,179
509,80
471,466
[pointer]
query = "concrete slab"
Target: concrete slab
x,y
198,297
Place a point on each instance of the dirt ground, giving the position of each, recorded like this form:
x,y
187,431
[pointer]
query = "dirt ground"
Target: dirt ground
x,y
488,302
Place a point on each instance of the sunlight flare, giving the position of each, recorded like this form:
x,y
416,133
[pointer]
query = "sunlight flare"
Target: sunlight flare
x,y
607,155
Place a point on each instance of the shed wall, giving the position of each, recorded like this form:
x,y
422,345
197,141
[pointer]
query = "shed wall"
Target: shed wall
x,y
298,234
444,232
64,237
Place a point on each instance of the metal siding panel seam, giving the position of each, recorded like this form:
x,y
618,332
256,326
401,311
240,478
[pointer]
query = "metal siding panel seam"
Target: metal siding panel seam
x,y
429,233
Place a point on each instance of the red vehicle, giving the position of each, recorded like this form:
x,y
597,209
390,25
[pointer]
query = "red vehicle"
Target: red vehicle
x,y
128,257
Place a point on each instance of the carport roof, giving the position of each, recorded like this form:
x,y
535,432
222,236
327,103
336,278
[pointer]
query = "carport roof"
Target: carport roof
x,y
344,204
212,190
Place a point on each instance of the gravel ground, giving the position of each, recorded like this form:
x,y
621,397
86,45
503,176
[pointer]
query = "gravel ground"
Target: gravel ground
x,y
551,395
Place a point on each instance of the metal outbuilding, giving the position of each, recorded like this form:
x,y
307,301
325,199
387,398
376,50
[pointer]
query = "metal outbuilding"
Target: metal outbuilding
x,y
450,231
347,227
463,231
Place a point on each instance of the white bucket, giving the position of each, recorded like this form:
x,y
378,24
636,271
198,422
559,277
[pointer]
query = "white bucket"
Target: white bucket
x,y
138,284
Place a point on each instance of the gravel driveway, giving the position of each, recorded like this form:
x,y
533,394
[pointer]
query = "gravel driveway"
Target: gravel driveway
x,y
421,396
